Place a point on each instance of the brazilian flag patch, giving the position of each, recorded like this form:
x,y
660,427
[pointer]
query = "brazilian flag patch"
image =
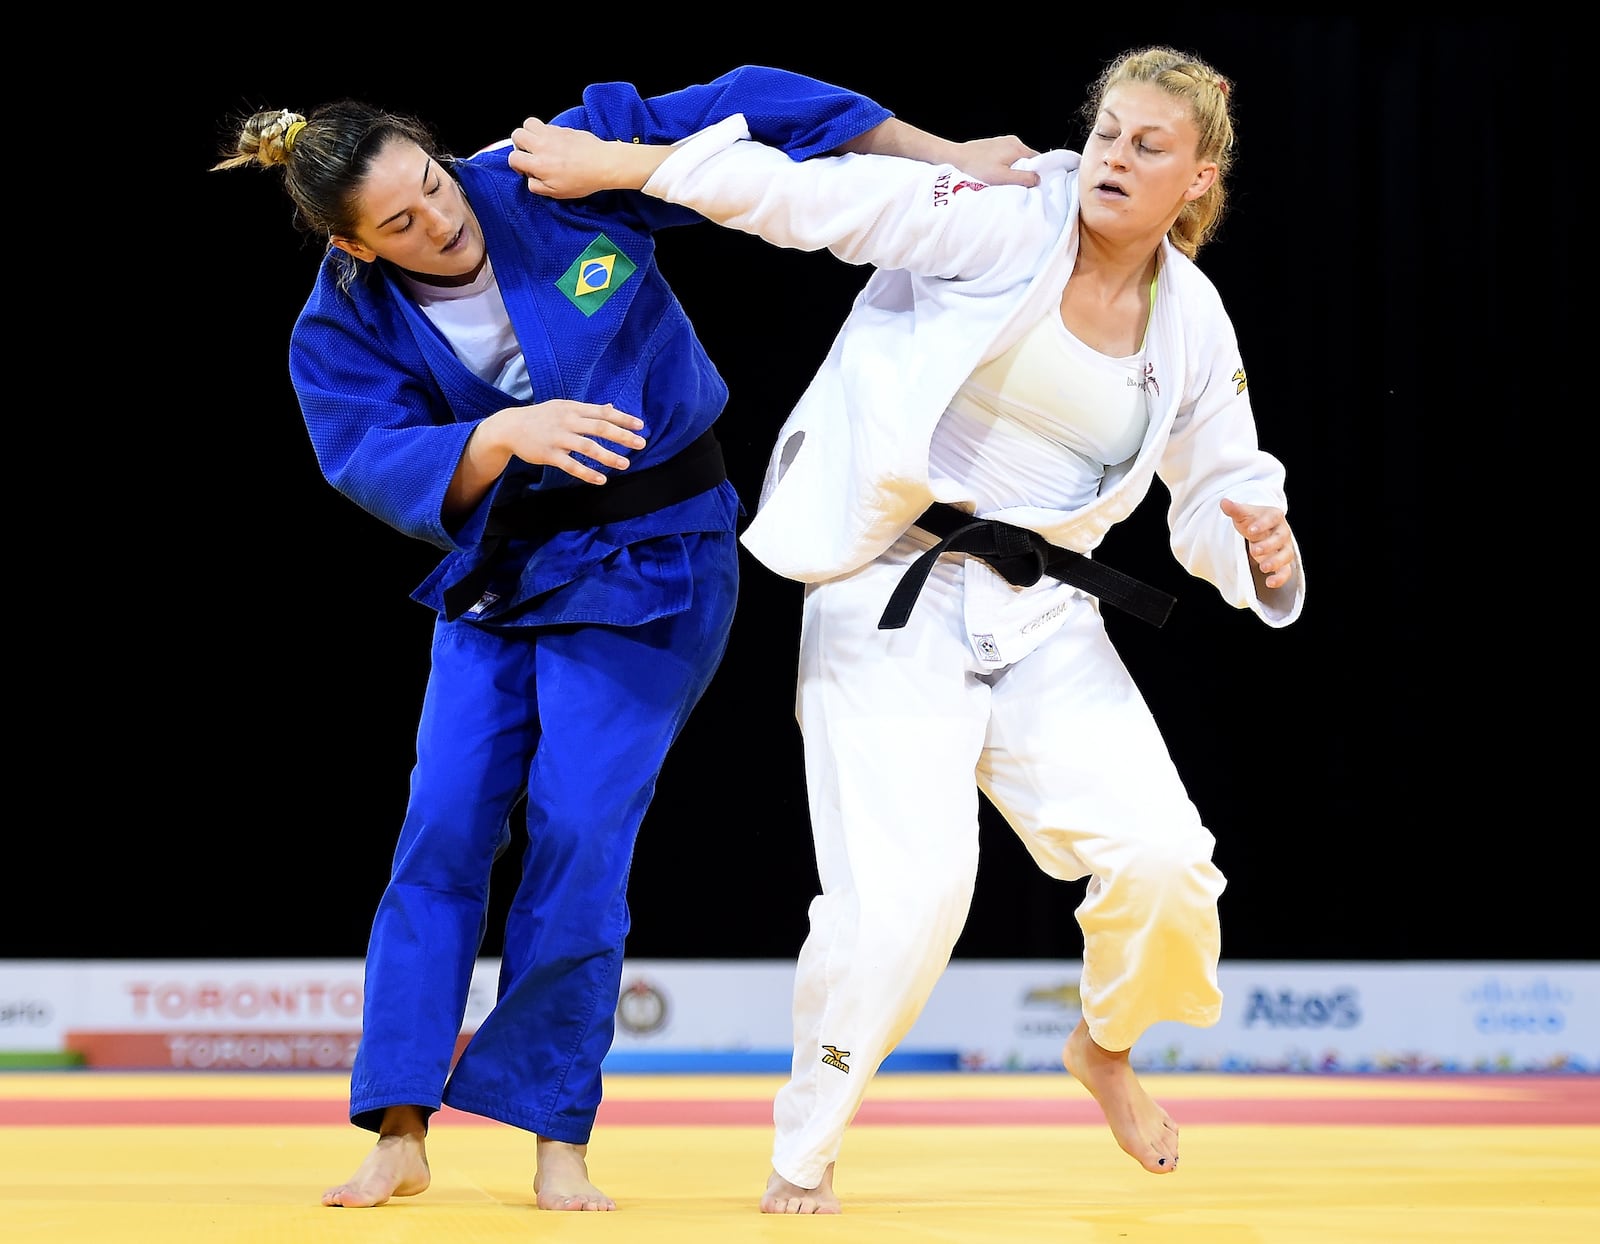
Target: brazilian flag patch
x,y
595,275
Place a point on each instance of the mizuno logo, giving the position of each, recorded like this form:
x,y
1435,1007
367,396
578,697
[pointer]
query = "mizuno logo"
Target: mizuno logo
x,y
833,1056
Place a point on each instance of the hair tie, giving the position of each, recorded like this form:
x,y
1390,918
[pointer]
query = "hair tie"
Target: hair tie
x,y
290,134
1222,85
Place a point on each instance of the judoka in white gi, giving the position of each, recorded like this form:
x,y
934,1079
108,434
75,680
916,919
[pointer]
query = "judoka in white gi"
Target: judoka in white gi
x,y
1035,356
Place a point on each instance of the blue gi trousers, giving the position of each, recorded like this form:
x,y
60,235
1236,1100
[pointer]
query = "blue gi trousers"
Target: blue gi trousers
x,y
577,719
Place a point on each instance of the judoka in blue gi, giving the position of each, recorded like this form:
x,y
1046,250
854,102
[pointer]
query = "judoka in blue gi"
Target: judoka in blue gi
x,y
510,378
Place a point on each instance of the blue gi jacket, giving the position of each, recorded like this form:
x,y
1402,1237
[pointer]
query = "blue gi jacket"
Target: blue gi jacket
x,y
389,407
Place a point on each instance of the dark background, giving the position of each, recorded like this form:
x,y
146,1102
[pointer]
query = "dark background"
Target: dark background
x,y
221,701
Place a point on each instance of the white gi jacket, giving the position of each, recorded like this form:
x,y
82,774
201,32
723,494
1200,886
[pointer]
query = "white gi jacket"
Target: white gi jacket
x,y
963,271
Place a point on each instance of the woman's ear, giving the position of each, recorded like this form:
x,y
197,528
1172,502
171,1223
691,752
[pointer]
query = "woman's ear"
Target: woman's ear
x,y
364,253
1204,176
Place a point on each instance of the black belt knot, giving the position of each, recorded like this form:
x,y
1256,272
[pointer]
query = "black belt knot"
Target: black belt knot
x,y
1021,557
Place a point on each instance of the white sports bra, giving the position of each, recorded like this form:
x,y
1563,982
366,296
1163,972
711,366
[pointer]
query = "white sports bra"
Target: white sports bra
x,y
1039,424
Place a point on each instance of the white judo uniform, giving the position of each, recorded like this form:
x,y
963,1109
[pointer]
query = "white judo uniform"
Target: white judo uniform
x,y
1014,691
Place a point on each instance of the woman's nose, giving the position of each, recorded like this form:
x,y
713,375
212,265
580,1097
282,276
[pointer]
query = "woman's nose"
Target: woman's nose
x,y
440,225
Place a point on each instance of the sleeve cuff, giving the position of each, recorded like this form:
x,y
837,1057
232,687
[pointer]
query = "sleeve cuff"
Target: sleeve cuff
x,y
691,151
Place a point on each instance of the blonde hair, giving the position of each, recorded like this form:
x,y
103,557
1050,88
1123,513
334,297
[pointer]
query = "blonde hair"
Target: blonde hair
x,y
1208,96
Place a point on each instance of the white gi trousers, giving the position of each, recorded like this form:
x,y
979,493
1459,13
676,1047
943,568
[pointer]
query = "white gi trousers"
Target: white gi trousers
x,y
1016,692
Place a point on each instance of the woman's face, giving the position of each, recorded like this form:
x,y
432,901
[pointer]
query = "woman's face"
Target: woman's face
x,y
1139,164
414,214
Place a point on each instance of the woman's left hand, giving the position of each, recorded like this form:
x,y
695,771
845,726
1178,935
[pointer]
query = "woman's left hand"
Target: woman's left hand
x,y
1268,538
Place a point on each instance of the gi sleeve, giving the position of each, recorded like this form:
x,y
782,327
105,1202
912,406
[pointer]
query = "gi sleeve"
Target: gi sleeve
x,y
1212,454
800,116
891,212
370,414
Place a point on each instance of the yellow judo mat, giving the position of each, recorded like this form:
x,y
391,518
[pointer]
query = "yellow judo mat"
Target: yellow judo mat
x,y
974,1158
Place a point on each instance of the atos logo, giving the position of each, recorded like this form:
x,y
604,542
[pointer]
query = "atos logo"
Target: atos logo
x,y
1287,1009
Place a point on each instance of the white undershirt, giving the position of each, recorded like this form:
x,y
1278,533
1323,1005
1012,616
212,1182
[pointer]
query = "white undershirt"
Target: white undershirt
x,y
1039,424
474,321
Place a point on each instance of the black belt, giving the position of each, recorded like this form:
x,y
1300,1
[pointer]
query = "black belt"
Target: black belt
x,y
627,494
1021,557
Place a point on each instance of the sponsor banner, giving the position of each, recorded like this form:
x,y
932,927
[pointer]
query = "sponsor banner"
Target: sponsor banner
x,y
1010,1015
1294,1017
40,999
217,1051
704,1006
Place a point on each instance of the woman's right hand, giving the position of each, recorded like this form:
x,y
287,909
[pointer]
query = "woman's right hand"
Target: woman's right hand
x,y
545,434
551,433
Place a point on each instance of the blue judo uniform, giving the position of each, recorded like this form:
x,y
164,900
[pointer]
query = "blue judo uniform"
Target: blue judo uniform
x,y
564,674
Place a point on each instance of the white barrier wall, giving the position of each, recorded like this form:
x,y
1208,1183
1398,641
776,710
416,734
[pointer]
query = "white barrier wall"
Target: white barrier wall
x,y
734,1016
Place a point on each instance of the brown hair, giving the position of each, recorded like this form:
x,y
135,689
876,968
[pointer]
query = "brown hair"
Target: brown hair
x,y
325,157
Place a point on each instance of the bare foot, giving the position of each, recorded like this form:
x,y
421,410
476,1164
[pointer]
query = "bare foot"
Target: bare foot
x,y
396,1166
562,1178
1141,1126
783,1197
